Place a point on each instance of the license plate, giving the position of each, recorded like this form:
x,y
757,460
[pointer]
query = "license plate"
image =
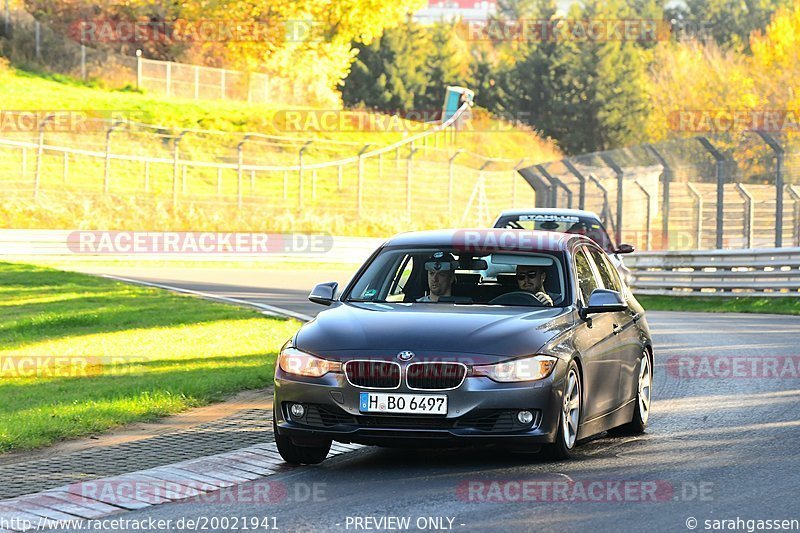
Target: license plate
x,y
418,404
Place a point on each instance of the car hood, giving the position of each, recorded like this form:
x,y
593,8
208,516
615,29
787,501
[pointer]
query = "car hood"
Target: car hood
x,y
383,330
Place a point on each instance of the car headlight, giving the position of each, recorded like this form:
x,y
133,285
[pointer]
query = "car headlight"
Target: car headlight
x,y
525,369
294,361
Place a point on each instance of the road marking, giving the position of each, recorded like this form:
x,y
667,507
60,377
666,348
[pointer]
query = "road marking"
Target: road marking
x,y
267,309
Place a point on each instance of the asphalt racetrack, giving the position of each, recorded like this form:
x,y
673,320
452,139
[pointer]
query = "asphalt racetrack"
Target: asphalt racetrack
x,y
722,444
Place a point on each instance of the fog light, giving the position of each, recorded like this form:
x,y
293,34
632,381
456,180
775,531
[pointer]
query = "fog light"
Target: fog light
x,y
297,410
525,417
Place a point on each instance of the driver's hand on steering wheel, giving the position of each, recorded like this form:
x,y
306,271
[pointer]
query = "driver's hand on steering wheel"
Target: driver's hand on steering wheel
x,y
544,298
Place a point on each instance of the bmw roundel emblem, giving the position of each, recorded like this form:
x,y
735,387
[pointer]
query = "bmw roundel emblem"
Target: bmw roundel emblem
x,y
405,355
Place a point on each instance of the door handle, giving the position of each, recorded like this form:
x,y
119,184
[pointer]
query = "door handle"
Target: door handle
x,y
617,329
636,316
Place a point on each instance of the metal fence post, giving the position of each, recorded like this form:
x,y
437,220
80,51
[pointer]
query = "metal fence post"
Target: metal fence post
x,y
748,214
360,179
540,188
107,163
606,213
239,170
796,215
169,79
779,154
620,177
720,175
175,154
39,154
647,214
666,180
581,182
450,165
184,190
514,182
300,174
7,23
556,183
83,62
698,198
408,181
138,69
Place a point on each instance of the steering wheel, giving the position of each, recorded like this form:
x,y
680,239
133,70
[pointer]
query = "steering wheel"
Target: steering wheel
x,y
516,298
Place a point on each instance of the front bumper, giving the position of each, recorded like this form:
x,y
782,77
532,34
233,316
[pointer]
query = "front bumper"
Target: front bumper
x,y
479,411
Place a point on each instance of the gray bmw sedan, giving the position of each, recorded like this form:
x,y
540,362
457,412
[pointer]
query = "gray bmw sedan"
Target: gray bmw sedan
x,y
422,348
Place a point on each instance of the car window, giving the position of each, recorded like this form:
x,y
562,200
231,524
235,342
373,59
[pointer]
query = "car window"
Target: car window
x,y
586,279
606,271
591,227
399,280
401,275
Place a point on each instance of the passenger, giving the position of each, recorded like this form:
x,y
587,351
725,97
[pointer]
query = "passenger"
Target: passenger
x,y
441,275
531,279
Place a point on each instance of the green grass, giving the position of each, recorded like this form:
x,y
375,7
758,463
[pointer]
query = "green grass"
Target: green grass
x,y
747,304
26,90
80,355
140,197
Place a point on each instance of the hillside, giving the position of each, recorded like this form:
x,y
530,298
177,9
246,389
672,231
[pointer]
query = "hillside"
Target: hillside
x,y
144,196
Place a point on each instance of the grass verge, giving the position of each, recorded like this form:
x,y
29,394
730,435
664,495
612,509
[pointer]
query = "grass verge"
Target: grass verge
x,y
748,304
80,355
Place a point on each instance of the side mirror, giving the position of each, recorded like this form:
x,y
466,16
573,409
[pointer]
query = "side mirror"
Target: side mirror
x,y
604,301
624,249
323,293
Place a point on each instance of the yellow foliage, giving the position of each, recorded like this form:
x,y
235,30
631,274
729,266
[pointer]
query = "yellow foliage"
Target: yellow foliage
x,y
688,77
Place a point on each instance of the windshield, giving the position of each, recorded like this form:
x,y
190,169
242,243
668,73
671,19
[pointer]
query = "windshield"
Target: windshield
x,y
437,276
589,226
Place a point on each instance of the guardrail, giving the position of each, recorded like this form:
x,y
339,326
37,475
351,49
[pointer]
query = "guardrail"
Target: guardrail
x,y
760,272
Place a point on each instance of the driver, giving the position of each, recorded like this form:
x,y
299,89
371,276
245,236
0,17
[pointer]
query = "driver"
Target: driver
x,y
531,279
441,275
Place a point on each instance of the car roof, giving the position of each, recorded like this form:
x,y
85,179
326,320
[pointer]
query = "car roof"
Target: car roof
x,y
549,211
534,240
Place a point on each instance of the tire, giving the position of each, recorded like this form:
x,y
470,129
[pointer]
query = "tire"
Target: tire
x,y
300,455
641,412
569,418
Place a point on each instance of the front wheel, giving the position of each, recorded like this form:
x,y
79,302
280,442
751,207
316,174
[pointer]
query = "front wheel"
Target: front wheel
x,y
300,455
570,416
